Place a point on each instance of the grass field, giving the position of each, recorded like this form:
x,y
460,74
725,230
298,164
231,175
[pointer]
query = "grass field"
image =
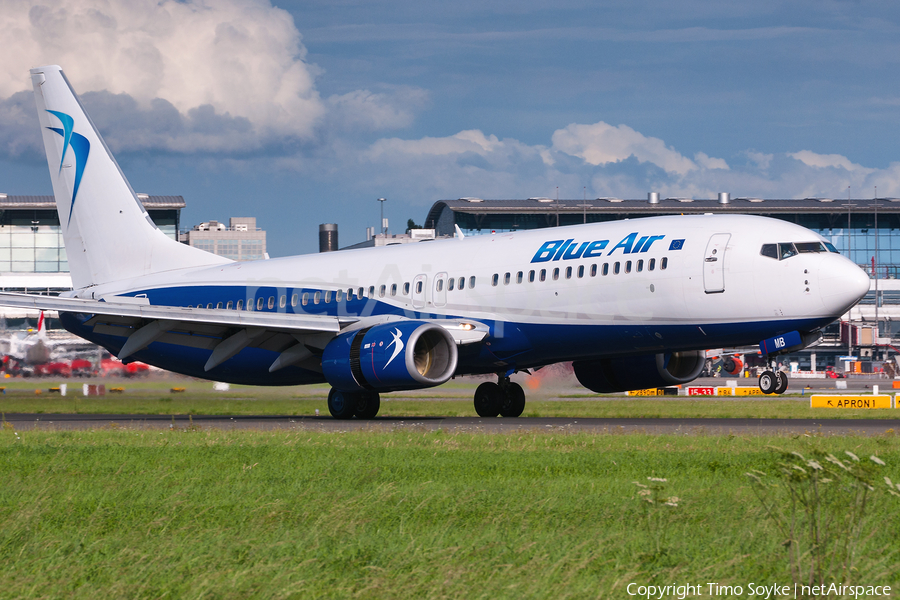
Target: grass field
x,y
214,514
451,400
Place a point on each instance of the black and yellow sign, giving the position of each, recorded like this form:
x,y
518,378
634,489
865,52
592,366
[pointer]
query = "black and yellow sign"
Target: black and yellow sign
x,y
862,401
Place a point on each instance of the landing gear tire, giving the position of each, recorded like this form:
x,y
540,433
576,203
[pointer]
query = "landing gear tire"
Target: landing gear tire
x,y
367,405
768,382
513,400
488,399
341,405
781,382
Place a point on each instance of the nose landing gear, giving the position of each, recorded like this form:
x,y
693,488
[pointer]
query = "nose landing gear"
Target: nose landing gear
x,y
773,382
504,398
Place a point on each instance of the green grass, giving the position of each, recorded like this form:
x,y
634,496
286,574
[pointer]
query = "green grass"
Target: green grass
x,y
451,400
287,514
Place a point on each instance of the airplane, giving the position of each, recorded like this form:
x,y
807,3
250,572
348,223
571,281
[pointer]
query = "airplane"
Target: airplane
x,y
632,303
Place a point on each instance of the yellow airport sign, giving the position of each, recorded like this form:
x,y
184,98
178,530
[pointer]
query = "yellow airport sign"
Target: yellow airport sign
x,y
862,401
663,391
741,391
647,392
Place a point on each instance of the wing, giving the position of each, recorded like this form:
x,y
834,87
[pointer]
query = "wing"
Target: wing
x,y
294,337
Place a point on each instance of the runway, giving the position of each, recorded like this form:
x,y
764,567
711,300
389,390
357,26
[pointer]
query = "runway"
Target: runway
x,y
866,427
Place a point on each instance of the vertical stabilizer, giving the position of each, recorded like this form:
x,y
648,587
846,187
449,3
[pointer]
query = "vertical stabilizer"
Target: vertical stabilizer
x,y
108,234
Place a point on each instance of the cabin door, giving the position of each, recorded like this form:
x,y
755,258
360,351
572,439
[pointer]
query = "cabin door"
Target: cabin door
x,y
714,263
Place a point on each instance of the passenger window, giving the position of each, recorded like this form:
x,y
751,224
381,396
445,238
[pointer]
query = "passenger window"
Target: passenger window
x,y
371,292
786,250
338,295
450,283
249,303
640,265
406,289
616,268
664,263
418,287
260,302
580,271
555,273
383,289
293,299
593,270
628,266
462,283
605,269
651,264
519,276
229,305
568,272
218,305
531,276
327,296
282,302
495,279
360,293
506,279
393,289
440,285
349,294
317,297
543,274
209,305
305,300
240,305
471,282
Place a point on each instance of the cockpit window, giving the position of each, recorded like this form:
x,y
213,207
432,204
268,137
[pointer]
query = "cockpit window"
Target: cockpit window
x,y
804,247
786,250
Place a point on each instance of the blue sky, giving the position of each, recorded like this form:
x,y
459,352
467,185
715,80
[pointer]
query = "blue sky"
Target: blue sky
x,y
301,113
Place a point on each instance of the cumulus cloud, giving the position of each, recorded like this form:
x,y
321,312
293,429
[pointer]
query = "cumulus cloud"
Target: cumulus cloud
x,y
224,76
605,161
824,161
601,144
375,111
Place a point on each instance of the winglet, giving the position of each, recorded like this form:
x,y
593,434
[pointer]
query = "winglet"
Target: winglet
x,y
459,233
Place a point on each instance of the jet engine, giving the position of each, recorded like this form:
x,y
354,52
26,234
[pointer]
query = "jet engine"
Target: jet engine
x,y
606,375
402,355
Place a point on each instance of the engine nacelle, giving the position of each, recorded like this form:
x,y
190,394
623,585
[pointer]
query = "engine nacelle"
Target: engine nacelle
x,y
606,375
403,355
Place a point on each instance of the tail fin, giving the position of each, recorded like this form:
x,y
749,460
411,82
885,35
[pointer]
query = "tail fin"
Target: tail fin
x,y
42,327
108,234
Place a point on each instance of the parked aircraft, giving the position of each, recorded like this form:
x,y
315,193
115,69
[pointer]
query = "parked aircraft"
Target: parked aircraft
x,y
633,303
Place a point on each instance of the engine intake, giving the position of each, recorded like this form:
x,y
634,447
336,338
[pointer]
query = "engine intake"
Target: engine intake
x,y
404,355
606,375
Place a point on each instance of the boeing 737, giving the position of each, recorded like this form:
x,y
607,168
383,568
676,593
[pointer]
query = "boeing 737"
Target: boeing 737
x,y
632,303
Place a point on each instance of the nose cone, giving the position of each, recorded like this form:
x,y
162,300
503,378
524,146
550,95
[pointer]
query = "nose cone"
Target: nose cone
x,y
842,284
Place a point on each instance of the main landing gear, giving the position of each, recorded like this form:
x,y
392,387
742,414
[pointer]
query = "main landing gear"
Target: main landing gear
x,y
346,405
504,398
773,382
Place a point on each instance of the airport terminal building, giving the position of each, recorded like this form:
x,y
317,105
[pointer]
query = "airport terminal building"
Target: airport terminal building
x,y
32,253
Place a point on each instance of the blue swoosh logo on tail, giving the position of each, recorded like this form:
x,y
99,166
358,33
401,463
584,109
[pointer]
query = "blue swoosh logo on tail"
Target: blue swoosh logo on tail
x,y
81,147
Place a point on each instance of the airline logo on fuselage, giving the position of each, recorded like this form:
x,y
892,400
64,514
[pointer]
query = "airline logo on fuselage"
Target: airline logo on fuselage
x,y
570,249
